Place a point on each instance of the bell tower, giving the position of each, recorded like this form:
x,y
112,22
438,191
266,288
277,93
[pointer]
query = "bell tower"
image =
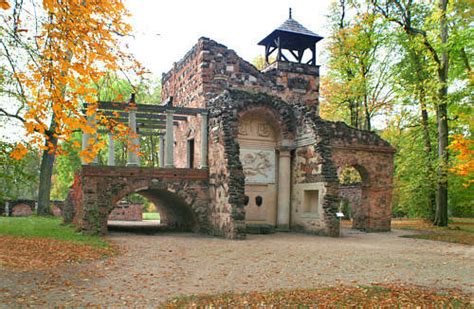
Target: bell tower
x,y
290,57
290,41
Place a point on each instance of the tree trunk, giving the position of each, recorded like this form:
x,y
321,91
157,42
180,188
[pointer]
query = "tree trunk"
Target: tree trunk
x,y
46,173
428,153
441,218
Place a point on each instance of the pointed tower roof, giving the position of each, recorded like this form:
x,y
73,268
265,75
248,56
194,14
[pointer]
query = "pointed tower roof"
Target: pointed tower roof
x,y
294,35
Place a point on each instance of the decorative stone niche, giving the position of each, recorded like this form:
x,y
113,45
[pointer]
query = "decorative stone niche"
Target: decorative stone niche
x,y
311,201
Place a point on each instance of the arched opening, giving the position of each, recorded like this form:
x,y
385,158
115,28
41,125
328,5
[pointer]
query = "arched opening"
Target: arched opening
x,y
353,193
258,138
151,210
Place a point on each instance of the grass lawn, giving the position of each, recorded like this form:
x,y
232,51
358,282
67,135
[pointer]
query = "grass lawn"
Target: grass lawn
x,y
46,227
459,230
40,243
377,296
151,216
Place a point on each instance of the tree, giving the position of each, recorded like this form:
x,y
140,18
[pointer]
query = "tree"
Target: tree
x,y
400,13
52,55
359,65
18,178
414,34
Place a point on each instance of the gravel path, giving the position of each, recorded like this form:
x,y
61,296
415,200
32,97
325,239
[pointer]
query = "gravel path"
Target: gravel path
x,y
153,268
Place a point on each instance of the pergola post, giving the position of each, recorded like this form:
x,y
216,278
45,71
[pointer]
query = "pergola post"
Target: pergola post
x,y
204,140
134,141
7,208
111,161
169,142
162,150
85,143
86,137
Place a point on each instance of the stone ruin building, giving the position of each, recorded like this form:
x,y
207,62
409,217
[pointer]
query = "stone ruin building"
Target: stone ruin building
x,y
243,150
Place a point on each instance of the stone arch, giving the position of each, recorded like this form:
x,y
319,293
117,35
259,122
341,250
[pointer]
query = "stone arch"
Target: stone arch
x,y
175,208
374,211
356,194
281,122
183,194
258,137
270,130
226,171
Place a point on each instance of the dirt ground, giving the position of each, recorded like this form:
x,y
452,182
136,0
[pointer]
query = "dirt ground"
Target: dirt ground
x,y
153,268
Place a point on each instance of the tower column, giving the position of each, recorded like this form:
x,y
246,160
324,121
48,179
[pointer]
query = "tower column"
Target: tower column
x,y
284,184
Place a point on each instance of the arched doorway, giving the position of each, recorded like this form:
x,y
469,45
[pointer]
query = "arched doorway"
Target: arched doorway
x,y
174,213
354,186
258,138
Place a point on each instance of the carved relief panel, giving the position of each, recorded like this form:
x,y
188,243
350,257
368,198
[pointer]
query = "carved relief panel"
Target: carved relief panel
x,y
258,165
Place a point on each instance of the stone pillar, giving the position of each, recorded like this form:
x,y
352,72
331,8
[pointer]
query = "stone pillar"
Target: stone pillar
x,y
284,184
111,161
162,151
204,140
169,141
134,141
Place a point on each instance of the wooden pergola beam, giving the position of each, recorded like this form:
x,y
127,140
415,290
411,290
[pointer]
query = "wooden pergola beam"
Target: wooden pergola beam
x,y
143,116
141,133
141,123
122,106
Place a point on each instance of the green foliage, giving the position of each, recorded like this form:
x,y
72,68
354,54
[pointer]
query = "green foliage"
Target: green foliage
x,y
413,172
45,227
151,216
259,61
461,199
66,166
358,84
148,91
349,175
18,178
363,34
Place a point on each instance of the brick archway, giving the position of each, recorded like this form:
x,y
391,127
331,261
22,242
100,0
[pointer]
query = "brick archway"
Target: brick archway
x,y
375,169
182,195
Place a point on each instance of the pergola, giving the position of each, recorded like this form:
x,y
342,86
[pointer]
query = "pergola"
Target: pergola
x,y
146,120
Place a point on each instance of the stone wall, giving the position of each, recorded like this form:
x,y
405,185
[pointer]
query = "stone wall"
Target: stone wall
x,y
127,212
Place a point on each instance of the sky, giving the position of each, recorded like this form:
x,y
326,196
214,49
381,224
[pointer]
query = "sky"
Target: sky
x,y
165,30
